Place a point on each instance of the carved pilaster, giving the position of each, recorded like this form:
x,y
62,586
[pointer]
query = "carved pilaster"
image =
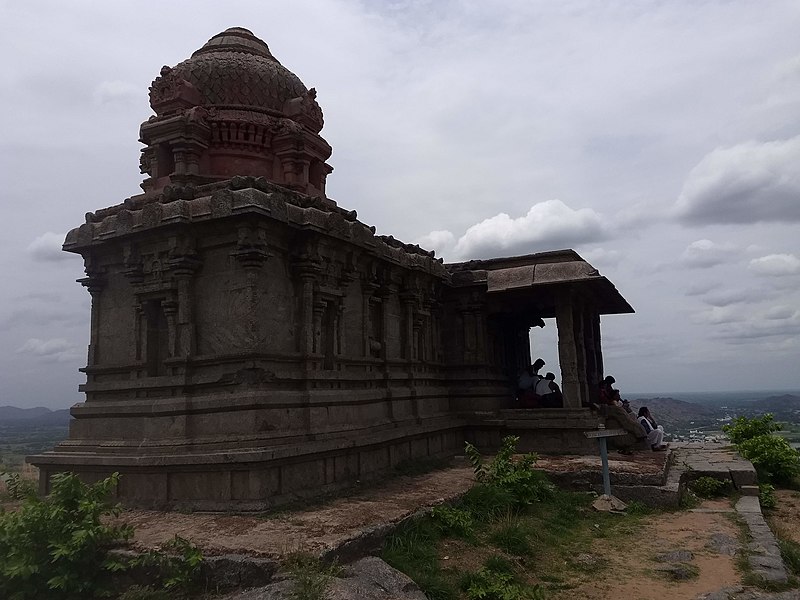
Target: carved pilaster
x,y
94,282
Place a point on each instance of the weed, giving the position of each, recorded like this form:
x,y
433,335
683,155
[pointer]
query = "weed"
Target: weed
x,y
709,487
310,576
453,521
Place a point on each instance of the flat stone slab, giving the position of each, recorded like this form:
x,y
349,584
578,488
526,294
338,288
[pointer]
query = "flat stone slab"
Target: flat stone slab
x,y
346,527
714,460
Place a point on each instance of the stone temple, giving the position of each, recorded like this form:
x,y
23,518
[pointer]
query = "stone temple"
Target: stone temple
x,y
253,342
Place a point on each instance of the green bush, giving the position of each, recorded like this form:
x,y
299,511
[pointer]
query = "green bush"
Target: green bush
x,y
516,476
743,428
766,495
773,457
57,547
453,521
709,487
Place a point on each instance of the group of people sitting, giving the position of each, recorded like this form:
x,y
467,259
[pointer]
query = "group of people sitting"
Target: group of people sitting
x,y
609,396
535,391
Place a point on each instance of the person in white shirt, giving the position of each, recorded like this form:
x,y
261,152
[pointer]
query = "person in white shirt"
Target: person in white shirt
x,y
548,391
655,433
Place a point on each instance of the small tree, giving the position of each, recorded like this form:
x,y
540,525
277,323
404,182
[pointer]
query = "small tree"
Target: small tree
x,y
743,428
57,547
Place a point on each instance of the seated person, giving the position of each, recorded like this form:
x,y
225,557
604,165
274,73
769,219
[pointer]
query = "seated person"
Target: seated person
x,y
608,395
549,393
526,385
655,433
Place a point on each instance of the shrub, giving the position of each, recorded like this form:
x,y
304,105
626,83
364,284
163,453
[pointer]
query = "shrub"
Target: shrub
x,y
453,521
517,476
743,428
57,547
709,487
772,456
766,495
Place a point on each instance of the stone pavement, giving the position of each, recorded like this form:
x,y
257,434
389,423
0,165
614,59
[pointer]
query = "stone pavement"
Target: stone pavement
x,y
693,460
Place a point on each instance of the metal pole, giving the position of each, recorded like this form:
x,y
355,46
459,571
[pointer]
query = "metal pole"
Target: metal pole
x,y
604,459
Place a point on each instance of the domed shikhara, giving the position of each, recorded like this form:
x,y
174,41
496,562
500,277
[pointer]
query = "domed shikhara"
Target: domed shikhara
x,y
233,109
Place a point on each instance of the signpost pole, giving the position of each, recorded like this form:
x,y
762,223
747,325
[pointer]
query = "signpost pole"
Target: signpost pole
x,y
606,472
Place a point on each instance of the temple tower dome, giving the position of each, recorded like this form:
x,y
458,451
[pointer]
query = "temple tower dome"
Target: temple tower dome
x,y
233,109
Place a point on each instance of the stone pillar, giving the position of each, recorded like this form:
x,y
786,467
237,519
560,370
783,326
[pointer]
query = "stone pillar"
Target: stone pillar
x,y
592,373
579,329
567,354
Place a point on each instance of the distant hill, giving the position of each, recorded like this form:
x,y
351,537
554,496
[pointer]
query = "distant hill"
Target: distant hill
x,y
11,415
674,413
778,403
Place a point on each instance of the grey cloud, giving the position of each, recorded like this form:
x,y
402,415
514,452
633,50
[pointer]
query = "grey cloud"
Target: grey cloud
x,y
745,183
777,265
47,248
703,254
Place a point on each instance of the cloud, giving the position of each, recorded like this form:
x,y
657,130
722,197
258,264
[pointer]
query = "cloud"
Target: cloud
x,y
54,349
47,248
547,225
442,241
726,297
746,183
703,254
111,92
777,265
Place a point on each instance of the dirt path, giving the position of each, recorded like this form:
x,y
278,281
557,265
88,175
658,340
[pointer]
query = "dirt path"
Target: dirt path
x,y
785,518
312,530
634,571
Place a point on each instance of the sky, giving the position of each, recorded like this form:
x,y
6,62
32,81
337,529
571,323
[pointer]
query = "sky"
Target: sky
x,y
660,140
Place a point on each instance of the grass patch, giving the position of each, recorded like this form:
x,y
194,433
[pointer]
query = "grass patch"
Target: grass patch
x,y
512,536
310,576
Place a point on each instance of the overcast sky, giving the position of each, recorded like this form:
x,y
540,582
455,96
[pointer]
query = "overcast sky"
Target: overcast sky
x,y
661,140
